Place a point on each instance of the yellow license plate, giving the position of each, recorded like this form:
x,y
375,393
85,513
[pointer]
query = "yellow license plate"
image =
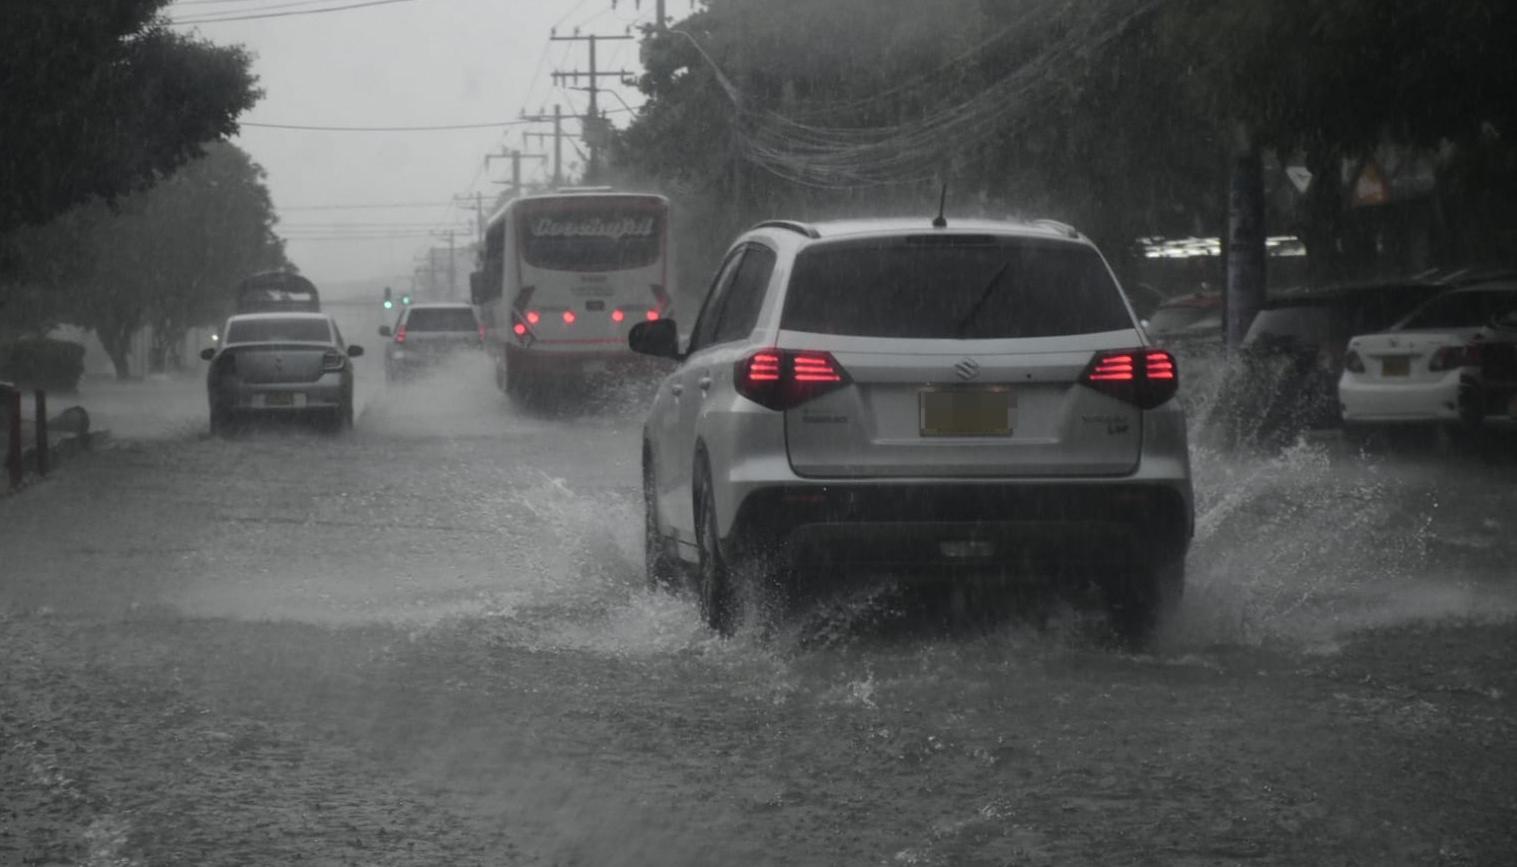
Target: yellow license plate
x,y
964,412
1396,365
279,398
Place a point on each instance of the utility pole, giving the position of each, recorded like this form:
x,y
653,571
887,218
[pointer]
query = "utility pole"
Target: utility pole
x,y
479,210
1244,293
594,126
452,257
515,157
557,119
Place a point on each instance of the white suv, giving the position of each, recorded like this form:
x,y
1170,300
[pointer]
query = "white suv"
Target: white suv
x,y
965,402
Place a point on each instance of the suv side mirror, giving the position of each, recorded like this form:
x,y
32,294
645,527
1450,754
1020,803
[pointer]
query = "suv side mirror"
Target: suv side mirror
x,y
208,353
659,338
384,331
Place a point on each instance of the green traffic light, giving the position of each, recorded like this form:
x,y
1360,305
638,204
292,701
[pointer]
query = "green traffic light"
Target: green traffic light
x,y
389,304
405,299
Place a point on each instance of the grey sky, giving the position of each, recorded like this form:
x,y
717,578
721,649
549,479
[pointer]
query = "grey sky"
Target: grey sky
x,y
426,62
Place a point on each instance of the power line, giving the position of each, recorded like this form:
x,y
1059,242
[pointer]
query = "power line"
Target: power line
x,y
422,128
361,207
215,20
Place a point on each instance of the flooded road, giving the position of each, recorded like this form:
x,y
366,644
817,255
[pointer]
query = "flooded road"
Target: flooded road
x,y
430,642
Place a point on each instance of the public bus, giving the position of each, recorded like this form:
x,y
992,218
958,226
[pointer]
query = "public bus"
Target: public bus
x,y
563,277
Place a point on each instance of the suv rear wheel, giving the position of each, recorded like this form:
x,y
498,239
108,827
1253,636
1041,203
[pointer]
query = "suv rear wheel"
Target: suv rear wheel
x,y
713,584
1144,598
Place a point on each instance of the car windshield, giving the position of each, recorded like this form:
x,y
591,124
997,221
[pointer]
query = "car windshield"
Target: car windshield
x,y
1303,324
958,288
441,319
276,330
1468,308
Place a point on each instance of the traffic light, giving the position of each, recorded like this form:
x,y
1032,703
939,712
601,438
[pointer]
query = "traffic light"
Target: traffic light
x,y
389,304
406,300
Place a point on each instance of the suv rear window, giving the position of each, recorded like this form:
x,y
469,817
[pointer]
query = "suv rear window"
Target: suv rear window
x,y
274,330
441,319
961,287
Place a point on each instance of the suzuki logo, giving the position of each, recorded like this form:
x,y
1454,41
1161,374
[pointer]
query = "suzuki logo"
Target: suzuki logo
x,y
967,369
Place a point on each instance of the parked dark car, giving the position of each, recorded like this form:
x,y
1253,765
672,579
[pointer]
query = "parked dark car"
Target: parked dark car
x,y
277,292
1187,321
1285,377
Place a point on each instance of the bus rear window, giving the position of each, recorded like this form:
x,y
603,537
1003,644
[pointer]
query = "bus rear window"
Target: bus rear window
x,y
580,239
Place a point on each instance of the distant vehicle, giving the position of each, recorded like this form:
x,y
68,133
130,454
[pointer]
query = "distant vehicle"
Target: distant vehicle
x,y
563,277
281,363
1285,377
874,397
1450,362
426,334
1193,320
277,292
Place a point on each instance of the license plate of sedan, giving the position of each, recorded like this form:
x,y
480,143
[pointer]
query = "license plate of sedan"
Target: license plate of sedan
x,y
1396,365
967,412
284,398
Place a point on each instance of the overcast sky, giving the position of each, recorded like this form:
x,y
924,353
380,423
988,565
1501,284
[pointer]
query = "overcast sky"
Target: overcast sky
x,y
415,62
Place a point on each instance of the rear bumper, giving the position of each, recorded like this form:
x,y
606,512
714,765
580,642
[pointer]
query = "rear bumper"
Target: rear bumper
x,y
572,360
1374,402
328,393
946,525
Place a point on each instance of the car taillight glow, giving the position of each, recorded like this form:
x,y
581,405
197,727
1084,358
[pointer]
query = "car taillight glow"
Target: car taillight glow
x,y
481,332
519,329
783,379
1352,362
400,334
1145,377
569,317
533,317
1452,357
617,316
653,315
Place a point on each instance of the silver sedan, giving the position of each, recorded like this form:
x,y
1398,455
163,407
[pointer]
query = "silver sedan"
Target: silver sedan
x,y
281,364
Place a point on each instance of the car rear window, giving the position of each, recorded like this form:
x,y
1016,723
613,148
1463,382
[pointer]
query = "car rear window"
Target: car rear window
x,y
441,319
952,287
273,330
1464,309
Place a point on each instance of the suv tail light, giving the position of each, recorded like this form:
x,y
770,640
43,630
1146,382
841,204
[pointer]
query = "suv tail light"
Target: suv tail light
x,y
400,334
1451,357
782,379
1145,377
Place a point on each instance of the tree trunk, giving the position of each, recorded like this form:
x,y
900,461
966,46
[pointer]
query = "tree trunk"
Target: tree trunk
x,y
118,345
1245,237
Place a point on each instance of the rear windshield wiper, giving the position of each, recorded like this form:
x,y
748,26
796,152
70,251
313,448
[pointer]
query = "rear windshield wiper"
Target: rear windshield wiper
x,y
985,293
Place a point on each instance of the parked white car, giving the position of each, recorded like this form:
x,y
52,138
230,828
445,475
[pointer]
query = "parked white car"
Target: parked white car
x,y
973,402
1447,363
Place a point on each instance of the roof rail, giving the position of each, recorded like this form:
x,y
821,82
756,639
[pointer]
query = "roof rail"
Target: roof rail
x,y
1057,226
791,226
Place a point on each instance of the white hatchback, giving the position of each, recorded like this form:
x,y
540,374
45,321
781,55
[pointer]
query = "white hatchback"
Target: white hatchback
x,y
888,397
1448,362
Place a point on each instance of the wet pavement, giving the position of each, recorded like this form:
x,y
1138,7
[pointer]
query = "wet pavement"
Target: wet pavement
x,y
429,641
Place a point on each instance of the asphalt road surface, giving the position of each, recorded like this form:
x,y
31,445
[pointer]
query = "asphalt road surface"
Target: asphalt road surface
x,y
429,642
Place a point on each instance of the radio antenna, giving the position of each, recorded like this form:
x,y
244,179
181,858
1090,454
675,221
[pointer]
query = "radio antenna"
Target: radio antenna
x,y
940,221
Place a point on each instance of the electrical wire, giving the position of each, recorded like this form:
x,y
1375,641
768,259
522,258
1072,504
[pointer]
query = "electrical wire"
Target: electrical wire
x,y
252,17
420,128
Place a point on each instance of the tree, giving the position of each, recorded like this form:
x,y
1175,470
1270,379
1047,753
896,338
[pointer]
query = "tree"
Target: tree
x,y
99,99
167,257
